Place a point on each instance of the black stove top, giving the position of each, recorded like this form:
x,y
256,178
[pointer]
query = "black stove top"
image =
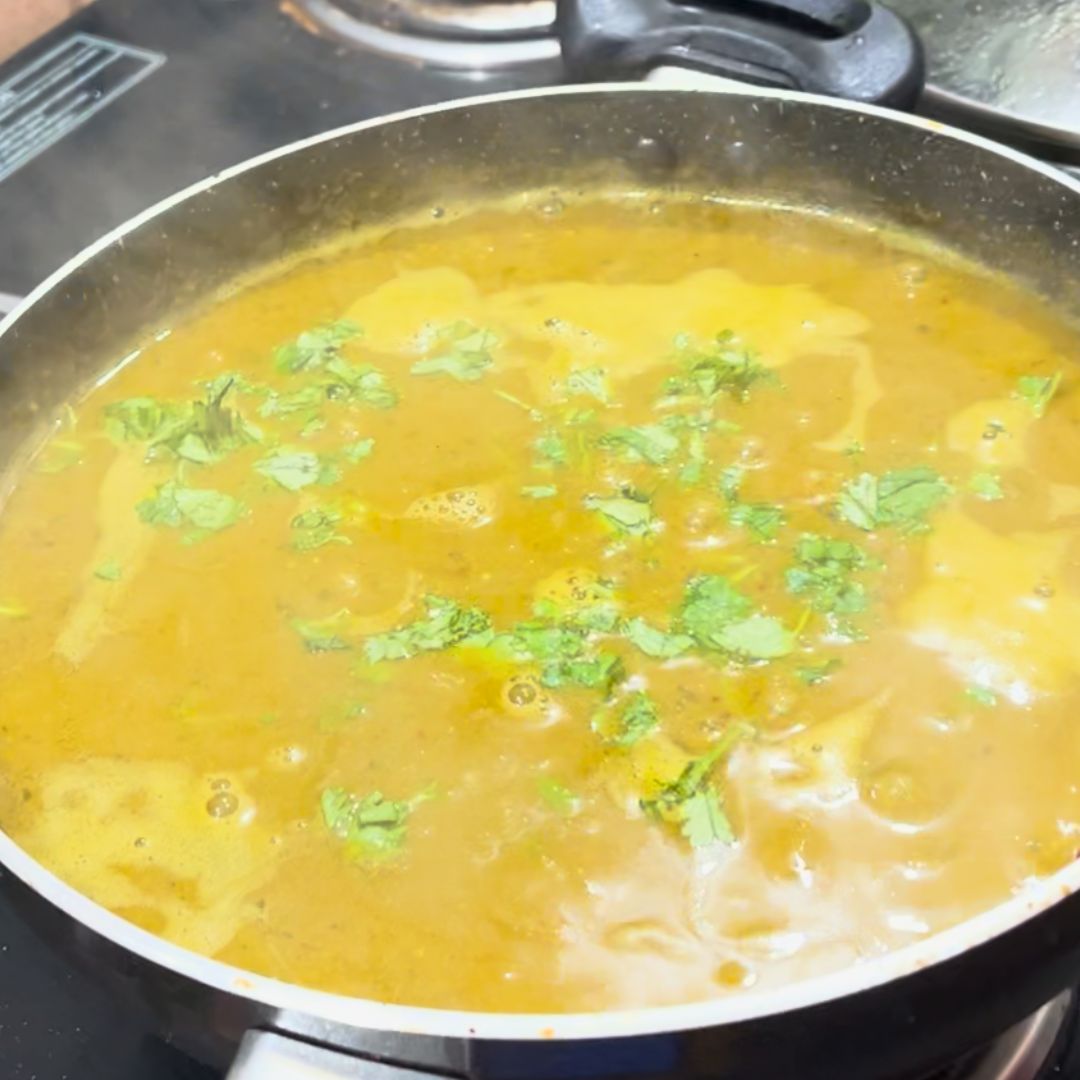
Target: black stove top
x,y
132,100
152,95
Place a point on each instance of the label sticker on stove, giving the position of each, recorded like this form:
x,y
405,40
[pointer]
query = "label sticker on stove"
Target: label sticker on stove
x,y
60,90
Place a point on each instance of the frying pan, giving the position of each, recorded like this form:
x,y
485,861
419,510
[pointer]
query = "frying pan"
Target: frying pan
x,y
881,1019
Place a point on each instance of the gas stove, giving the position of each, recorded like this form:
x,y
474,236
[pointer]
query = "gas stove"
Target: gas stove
x,y
131,100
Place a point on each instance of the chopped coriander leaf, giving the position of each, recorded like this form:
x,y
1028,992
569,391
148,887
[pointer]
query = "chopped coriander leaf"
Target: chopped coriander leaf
x,y
986,486
590,381
140,419
58,455
1037,390
110,570
652,443
692,803
731,479
204,509
858,502
901,497
983,695
312,427
12,609
696,462
305,400
341,716
540,641
357,451
762,520
558,796
578,417
360,383
814,674
296,469
534,413
724,367
314,349
460,351
709,603
717,616
200,432
759,637
822,575
654,642
539,491
633,721
562,653
600,672
445,624
630,513
704,821
599,614
551,447
370,825
324,635
315,528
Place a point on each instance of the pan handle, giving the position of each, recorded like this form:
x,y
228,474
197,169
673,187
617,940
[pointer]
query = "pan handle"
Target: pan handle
x,y
850,49
269,1055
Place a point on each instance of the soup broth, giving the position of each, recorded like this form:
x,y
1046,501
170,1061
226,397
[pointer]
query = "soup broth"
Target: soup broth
x,y
575,611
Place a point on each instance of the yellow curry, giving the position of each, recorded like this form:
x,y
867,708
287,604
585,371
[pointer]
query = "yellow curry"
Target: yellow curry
x,y
614,607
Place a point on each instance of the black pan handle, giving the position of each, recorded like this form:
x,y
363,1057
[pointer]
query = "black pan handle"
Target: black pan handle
x,y
844,48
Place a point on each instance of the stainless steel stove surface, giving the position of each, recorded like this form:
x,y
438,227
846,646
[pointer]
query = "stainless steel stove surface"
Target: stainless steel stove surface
x,y
131,100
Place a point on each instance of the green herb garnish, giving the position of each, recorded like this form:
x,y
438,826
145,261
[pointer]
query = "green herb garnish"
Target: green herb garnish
x,y
602,672
315,528
314,349
205,510
539,491
201,432
724,367
445,624
762,520
357,383
590,381
986,486
815,674
692,803
58,455
550,448
717,616
653,642
110,570
656,444
558,796
296,469
370,825
902,497
460,351
1037,390
822,575
357,451
325,634
982,695
633,721
630,513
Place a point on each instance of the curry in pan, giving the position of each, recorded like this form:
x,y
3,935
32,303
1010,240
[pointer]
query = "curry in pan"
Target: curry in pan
x,y
531,611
